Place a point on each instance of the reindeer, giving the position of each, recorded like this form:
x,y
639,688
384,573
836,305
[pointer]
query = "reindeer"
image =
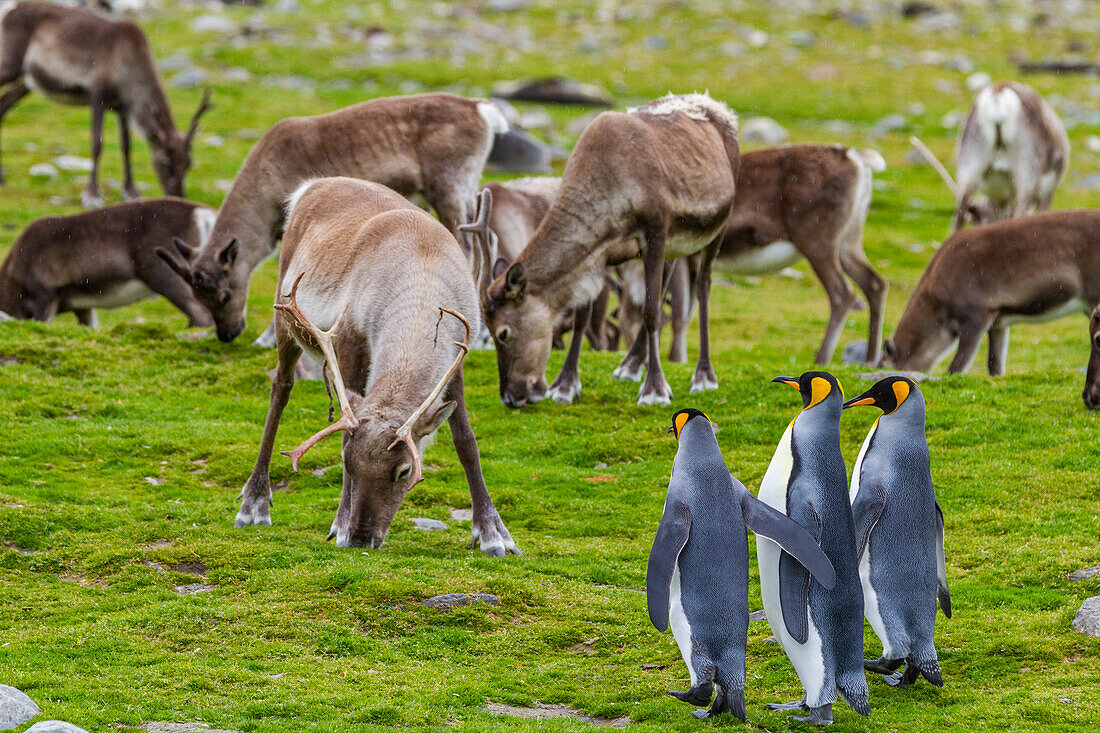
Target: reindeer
x,y
77,56
103,258
656,182
373,275
435,144
1011,155
1091,395
984,279
798,201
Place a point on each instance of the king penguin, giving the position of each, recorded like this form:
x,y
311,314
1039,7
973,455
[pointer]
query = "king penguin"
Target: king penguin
x,y
820,628
899,534
699,565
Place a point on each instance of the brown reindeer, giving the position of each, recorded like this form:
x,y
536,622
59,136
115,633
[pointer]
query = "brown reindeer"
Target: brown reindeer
x,y
656,182
103,258
381,293
435,144
798,201
984,279
1091,395
1011,155
77,56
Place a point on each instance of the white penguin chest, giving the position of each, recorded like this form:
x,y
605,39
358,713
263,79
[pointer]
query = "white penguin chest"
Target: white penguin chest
x,y
773,487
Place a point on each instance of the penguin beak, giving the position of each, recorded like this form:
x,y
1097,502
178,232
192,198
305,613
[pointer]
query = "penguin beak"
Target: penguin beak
x,y
789,381
859,401
671,429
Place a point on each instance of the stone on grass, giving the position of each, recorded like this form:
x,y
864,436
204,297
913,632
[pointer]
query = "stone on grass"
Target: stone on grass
x,y
213,23
157,727
15,707
190,567
188,78
555,90
762,130
73,163
978,80
192,588
541,711
1084,574
54,726
855,352
43,170
462,515
1087,620
517,151
1091,182
895,122
424,523
453,600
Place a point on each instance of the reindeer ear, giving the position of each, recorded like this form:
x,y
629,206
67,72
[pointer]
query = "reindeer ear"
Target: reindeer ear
x,y
229,255
175,261
515,282
431,424
183,248
499,267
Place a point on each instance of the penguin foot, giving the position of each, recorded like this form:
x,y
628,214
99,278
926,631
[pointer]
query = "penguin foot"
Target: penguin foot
x,y
701,714
796,705
698,695
818,716
882,665
904,679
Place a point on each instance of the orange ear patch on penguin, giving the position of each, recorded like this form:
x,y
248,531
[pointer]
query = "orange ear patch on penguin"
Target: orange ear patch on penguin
x,y
680,419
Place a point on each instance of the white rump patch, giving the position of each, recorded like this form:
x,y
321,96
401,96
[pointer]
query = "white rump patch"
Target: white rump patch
x,y
292,201
6,7
493,117
204,218
999,108
694,105
870,158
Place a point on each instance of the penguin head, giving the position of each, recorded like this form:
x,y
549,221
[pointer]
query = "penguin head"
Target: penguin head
x,y
815,388
887,394
683,417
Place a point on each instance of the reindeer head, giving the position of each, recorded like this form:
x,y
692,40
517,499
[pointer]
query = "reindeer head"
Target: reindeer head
x,y
215,279
172,158
382,459
522,325
1091,395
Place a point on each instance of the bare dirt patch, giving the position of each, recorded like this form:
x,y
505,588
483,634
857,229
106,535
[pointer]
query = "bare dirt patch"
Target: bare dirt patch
x,y
542,711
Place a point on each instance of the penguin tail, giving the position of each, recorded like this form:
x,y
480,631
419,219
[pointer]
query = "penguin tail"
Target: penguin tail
x,y
929,669
853,688
730,697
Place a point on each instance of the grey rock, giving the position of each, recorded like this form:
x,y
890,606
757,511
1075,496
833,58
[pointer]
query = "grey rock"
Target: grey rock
x,y
175,62
552,711
758,616
462,515
838,127
43,170
1087,619
507,6
763,130
188,78
452,600
286,6
73,163
319,472
15,707
802,39
554,90
951,120
756,38
289,81
655,42
155,566
517,151
158,727
938,23
213,141
192,588
577,125
1091,182
895,122
1084,574
190,567
857,20
213,23
960,63
237,74
430,524
54,726
855,352
978,80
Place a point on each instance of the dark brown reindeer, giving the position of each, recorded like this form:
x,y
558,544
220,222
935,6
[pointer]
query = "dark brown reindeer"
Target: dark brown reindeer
x,y
366,283
793,202
435,144
657,183
77,56
103,258
984,279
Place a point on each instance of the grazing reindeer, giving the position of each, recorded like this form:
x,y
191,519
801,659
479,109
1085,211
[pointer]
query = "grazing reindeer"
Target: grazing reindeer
x,y
436,144
801,201
103,258
372,276
77,56
1011,155
982,280
656,182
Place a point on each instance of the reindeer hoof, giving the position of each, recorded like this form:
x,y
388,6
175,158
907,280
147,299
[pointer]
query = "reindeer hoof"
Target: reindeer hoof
x,y
254,512
565,393
654,394
702,382
91,199
489,531
628,373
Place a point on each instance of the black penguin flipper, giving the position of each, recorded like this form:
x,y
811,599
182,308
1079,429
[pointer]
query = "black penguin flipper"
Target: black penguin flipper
x,y
866,510
941,568
794,596
788,534
671,537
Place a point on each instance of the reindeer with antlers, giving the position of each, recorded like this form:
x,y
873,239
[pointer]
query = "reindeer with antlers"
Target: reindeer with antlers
x,y
373,275
77,56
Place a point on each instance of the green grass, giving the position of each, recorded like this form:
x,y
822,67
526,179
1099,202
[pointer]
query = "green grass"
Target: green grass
x,y
299,635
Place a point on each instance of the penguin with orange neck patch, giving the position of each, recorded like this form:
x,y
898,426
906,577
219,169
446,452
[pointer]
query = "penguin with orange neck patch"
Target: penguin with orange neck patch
x,y
899,534
698,576
820,628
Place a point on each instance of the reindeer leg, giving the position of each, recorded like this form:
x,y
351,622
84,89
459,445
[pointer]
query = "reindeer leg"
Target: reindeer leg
x,y
86,317
998,349
971,329
256,494
487,529
873,285
704,377
566,387
14,93
597,324
826,264
678,288
129,191
91,196
655,389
